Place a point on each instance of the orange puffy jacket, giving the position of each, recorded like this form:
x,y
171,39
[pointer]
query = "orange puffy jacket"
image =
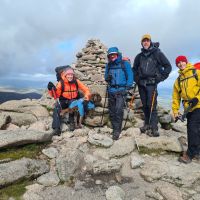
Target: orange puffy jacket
x,y
70,90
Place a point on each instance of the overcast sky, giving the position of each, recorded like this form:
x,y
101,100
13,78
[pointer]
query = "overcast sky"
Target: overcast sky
x,y
38,35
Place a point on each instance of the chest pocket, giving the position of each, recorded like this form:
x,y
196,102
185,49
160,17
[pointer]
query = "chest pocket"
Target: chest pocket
x,y
148,67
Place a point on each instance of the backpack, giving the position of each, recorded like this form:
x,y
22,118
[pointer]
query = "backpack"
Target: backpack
x,y
194,72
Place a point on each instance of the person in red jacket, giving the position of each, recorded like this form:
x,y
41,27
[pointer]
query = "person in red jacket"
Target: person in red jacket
x,y
66,90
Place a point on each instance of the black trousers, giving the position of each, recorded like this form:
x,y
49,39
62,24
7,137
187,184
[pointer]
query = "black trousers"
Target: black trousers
x,y
116,102
193,133
146,95
56,124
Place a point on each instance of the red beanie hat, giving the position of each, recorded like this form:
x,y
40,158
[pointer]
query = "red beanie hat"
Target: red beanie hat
x,y
181,58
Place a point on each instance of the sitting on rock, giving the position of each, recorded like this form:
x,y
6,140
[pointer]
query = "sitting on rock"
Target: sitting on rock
x,y
82,106
186,88
66,91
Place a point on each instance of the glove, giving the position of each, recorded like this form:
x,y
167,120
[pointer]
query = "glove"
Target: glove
x,y
51,86
109,78
158,78
193,102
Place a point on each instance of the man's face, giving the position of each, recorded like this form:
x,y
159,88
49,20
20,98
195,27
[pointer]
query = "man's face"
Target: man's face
x,y
146,43
182,65
112,57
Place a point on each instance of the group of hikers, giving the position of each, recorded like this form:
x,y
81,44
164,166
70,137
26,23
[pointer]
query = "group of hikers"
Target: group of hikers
x,y
150,67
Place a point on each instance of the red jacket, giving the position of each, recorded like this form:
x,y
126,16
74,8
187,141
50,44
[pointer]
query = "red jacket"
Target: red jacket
x,y
70,90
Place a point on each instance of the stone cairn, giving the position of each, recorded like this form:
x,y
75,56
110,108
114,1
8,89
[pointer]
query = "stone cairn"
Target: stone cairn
x,y
91,62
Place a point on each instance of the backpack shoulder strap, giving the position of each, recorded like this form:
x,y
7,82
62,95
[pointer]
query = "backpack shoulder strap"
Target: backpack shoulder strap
x,y
194,71
62,86
124,69
76,83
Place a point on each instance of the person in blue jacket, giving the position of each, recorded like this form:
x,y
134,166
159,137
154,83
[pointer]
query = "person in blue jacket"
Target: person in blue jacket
x,y
119,77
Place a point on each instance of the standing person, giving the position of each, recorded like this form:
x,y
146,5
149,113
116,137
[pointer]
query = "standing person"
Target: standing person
x,y
150,68
67,91
187,89
119,77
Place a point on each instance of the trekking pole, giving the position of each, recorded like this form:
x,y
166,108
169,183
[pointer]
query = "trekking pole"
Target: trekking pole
x,y
130,105
104,105
183,116
152,104
57,103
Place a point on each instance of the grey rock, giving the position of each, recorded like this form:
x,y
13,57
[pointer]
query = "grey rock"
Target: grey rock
x,y
50,152
153,171
88,57
67,164
115,193
165,119
21,119
49,179
120,148
4,119
100,140
102,167
20,169
19,137
169,192
160,143
136,160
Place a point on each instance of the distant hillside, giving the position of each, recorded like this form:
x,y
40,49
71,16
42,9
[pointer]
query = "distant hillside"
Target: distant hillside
x,y
6,96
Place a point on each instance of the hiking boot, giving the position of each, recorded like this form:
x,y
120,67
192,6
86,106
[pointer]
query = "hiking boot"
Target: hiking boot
x,y
155,133
196,158
144,128
115,135
56,131
71,126
185,158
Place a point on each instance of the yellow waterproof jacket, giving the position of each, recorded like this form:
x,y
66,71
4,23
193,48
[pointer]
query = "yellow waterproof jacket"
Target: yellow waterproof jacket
x,y
187,88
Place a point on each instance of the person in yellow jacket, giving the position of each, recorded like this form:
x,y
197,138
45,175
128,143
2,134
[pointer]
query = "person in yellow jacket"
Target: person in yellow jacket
x,y
187,89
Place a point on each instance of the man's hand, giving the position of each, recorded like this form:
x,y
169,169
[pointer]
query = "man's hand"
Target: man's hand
x,y
51,86
109,78
193,102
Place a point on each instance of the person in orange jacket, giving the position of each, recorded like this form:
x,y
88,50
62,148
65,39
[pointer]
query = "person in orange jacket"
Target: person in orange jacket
x,y
66,90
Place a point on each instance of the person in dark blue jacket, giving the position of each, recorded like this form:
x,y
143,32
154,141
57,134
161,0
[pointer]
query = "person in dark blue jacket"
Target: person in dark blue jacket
x,y
119,77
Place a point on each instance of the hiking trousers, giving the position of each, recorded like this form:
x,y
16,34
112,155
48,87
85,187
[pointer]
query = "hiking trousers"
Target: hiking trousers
x,y
116,102
193,133
146,95
57,120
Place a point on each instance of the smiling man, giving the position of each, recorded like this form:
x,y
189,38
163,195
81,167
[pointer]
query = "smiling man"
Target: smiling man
x,y
150,68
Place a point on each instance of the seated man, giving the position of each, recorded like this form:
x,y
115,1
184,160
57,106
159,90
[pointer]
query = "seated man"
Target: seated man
x,y
83,106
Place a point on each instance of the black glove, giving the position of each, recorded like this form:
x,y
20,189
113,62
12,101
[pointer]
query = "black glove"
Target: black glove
x,y
158,78
109,78
51,86
193,102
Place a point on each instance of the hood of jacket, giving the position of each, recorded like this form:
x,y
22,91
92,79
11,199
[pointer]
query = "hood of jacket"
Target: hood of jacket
x,y
115,50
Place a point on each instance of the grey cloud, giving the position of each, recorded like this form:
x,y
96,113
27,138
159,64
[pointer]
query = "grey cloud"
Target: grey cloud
x,y
31,30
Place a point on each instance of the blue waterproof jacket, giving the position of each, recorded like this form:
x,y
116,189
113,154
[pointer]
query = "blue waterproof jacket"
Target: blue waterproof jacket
x,y
121,73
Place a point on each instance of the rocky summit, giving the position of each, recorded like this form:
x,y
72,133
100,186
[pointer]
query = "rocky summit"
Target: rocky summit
x,y
86,163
